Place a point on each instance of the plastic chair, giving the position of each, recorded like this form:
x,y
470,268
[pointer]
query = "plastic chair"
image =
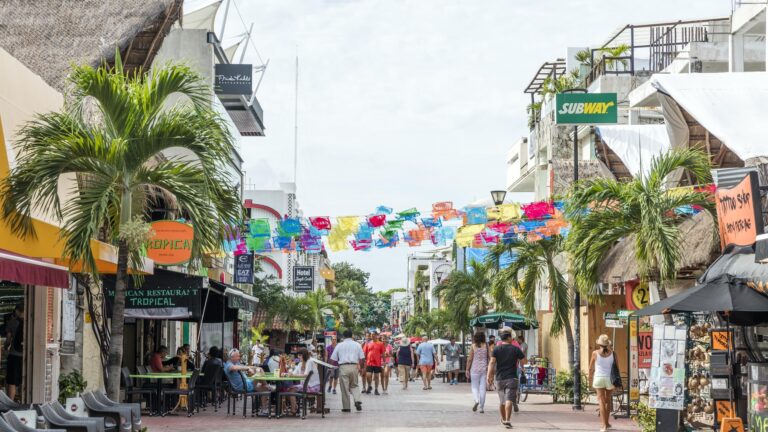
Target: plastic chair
x,y
120,415
134,407
7,404
9,420
84,424
210,382
130,389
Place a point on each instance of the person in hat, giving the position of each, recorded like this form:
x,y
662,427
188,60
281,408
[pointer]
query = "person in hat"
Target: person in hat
x,y
427,357
600,367
406,360
503,367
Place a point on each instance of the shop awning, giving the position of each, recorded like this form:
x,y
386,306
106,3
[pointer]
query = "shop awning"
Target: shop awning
x,y
740,263
236,298
728,105
163,295
635,145
29,271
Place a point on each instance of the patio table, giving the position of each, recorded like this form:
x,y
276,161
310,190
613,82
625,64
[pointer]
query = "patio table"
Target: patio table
x,y
159,376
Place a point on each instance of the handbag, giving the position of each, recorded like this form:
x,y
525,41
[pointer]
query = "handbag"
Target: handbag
x,y
615,374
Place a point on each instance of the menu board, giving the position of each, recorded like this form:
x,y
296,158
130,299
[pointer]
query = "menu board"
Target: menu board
x,y
666,387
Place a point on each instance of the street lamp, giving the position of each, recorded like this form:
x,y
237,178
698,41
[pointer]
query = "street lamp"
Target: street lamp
x,y
498,196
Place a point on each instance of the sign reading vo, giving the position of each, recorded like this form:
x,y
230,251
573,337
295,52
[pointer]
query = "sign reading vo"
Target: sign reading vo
x,y
586,108
171,244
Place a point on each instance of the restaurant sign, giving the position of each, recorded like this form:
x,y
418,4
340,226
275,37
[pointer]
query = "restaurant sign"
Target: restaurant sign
x,y
244,268
234,79
738,212
586,108
303,278
165,294
171,242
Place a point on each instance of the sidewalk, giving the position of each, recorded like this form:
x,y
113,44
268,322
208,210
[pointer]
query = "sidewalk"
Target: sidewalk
x,y
446,408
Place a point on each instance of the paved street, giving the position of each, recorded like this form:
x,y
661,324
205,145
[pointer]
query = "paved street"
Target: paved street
x,y
444,408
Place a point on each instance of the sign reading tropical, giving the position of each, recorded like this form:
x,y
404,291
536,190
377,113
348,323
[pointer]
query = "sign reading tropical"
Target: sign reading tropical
x,y
738,212
586,108
171,243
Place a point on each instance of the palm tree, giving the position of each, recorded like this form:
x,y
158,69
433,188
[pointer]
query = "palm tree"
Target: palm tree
x,y
536,265
118,158
467,294
295,313
643,207
318,303
611,53
431,324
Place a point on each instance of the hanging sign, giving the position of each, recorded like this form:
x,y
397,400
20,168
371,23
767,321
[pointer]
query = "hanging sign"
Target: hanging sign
x,y
68,316
244,268
738,212
303,278
634,376
171,243
720,340
233,79
586,108
613,320
644,349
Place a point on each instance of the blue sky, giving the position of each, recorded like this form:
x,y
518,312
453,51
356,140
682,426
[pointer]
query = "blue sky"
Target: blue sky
x,y
405,103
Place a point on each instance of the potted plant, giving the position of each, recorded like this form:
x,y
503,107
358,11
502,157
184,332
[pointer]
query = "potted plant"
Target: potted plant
x,y
71,385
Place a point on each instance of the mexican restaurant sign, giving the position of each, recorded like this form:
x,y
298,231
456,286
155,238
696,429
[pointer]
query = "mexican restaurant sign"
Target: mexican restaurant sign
x,y
586,108
738,212
171,243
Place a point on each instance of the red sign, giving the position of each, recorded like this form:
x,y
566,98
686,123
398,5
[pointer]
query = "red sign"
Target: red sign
x,y
636,294
171,244
738,212
644,349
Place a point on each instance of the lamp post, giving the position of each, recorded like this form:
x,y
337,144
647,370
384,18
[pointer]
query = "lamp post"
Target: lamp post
x,y
498,196
576,296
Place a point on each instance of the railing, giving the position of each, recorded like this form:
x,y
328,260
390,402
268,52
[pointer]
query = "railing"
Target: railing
x,y
609,66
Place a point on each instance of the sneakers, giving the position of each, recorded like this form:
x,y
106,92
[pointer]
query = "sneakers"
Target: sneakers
x,y
329,389
334,391
376,392
515,408
369,389
474,408
359,406
482,411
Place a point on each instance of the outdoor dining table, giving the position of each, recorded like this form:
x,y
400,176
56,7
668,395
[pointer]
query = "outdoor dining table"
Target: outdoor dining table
x,y
159,376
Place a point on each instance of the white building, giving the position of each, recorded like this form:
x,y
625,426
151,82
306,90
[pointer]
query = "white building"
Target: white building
x,y
433,267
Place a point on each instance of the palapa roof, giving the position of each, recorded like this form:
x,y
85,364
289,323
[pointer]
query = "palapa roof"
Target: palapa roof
x,y
49,35
698,250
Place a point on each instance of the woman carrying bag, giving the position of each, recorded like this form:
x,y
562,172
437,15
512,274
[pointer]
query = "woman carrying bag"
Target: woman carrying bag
x,y
605,376
477,369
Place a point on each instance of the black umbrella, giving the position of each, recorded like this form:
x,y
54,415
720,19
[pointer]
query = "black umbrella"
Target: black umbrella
x,y
722,294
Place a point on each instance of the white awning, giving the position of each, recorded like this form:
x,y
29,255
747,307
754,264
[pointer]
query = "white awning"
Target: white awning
x,y
241,294
636,145
203,18
729,105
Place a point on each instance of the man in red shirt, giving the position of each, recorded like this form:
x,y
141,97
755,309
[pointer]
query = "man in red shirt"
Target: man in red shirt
x,y
156,361
374,359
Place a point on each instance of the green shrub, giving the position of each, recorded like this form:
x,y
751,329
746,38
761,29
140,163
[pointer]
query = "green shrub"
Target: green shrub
x,y
645,417
71,385
562,390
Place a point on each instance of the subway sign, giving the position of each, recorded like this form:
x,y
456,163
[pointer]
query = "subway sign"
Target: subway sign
x,y
586,108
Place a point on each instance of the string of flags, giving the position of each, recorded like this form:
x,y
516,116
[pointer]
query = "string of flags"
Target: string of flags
x,y
472,226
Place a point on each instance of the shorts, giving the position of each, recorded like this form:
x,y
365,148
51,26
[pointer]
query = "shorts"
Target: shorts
x,y
332,373
373,369
13,370
602,382
507,389
405,372
451,366
426,368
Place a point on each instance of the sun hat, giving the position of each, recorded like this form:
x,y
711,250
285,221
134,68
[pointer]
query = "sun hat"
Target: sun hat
x,y
603,340
404,341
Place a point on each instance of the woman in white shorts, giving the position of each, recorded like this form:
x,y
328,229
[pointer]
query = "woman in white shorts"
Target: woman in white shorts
x,y
600,367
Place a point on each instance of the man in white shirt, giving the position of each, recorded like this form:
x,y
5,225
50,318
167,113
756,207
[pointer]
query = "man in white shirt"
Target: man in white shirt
x,y
259,352
351,359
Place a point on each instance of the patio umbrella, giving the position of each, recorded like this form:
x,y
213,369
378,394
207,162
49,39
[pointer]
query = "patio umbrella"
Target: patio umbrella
x,y
499,319
722,294
439,341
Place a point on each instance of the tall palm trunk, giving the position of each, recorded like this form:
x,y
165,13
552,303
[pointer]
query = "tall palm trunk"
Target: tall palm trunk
x,y
569,342
115,358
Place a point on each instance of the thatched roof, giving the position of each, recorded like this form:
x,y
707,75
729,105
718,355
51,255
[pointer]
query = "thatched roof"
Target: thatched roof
x,y
49,35
699,249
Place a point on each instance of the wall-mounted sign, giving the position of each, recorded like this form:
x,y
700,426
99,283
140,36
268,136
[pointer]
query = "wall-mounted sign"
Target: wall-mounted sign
x,y
233,79
637,295
634,375
303,278
586,108
738,212
244,268
720,339
613,320
644,349
163,295
171,244
238,302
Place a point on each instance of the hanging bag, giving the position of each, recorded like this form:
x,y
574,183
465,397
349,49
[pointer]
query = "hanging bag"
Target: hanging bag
x,y
615,374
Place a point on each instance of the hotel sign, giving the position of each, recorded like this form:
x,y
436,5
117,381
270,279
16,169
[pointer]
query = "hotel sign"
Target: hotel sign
x,y
586,108
233,79
738,212
303,278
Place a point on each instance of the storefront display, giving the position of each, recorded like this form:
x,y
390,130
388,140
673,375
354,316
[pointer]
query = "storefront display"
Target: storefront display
x,y
758,397
666,388
700,407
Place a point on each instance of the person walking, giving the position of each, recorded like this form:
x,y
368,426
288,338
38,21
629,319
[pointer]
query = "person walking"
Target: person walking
x,y
600,367
406,360
387,363
333,374
477,370
426,355
452,356
503,368
374,359
349,354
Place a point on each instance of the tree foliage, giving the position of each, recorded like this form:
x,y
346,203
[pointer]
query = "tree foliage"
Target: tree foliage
x,y
469,294
365,309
